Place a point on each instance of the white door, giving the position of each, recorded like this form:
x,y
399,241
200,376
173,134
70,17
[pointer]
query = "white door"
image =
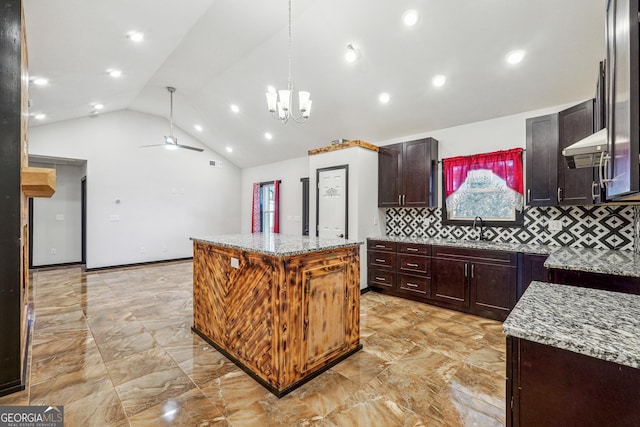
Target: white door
x,y
332,202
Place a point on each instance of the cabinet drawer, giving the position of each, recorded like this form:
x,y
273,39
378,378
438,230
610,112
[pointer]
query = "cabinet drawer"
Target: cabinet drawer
x,y
476,255
381,245
381,278
414,264
420,285
414,248
381,259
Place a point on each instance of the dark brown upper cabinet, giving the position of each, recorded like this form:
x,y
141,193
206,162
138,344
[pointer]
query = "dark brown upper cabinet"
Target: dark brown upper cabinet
x,y
407,174
550,182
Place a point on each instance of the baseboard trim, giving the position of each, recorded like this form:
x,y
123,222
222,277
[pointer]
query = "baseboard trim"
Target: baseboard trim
x,y
139,264
365,290
52,266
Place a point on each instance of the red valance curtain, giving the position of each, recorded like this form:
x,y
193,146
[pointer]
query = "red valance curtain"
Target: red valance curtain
x,y
256,210
506,164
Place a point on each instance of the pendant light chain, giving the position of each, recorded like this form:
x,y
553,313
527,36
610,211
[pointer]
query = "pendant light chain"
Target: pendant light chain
x,y
289,85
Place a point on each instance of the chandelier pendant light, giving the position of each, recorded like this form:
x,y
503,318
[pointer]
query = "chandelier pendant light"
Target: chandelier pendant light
x,y
280,103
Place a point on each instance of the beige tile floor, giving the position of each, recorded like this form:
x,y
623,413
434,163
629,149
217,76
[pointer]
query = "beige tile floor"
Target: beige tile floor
x,y
115,348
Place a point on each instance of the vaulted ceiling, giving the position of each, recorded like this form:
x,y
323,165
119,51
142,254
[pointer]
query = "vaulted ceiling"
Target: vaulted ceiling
x,y
222,52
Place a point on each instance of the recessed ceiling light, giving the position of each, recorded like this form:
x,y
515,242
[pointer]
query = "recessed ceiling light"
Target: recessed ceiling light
x,y
439,80
268,136
198,128
98,106
229,149
515,57
40,116
135,36
352,53
114,73
384,97
235,108
271,89
410,17
40,81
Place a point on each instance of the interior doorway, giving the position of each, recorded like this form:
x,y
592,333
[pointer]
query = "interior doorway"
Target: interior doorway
x,y
332,202
58,225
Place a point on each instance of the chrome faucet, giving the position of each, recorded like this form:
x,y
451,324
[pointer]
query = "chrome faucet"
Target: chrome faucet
x,y
480,236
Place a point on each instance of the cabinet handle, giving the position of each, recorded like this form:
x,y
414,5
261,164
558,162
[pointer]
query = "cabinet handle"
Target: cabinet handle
x,y
380,246
381,260
472,270
382,279
399,199
466,269
410,264
412,250
404,199
412,285
559,194
594,187
528,195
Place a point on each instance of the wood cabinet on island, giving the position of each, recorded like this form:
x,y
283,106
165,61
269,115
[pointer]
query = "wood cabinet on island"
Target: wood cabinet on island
x,y
282,308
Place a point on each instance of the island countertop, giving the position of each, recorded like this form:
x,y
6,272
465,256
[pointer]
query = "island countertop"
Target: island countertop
x,y
596,323
274,244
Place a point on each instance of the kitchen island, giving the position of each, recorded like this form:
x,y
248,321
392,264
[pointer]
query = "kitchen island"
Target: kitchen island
x,y
573,357
282,308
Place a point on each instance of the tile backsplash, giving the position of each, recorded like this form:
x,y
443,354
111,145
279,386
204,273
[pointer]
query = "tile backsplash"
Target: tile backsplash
x,y
599,227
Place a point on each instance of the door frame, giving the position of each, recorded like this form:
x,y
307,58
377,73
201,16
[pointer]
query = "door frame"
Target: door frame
x,y
346,197
305,206
83,207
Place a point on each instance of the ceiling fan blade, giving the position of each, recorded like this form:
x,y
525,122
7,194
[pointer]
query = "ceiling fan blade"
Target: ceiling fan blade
x,y
153,145
188,147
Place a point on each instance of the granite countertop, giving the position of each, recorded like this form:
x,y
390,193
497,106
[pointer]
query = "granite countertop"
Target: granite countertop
x,y
600,324
472,244
619,263
276,244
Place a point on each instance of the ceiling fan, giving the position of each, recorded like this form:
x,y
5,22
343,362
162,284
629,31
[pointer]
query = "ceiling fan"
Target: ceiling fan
x,y
171,142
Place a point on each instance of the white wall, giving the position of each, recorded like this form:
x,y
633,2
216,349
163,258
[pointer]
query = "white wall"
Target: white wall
x,y
57,221
289,172
364,217
165,196
501,133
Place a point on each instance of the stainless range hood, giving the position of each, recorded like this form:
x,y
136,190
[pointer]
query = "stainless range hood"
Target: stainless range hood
x,y
586,153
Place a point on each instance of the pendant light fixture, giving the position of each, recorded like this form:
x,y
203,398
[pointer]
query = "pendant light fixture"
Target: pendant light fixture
x,y
280,103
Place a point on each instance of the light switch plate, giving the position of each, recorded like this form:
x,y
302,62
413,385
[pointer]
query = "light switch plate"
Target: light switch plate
x,y
554,225
235,262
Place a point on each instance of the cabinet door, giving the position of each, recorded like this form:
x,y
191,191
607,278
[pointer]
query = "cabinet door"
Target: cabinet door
x,y
389,175
532,267
324,314
416,173
542,160
493,289
449,281
575,124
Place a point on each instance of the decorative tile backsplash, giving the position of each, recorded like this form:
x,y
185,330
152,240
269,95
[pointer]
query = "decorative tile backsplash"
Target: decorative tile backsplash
x,y
599,227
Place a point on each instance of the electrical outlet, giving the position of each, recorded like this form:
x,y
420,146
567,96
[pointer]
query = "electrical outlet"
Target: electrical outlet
x,y
142,249
52,251
114,217
554,225
59,217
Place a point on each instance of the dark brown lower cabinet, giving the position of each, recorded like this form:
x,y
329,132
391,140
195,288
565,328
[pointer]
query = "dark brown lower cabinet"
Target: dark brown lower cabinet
x,y
482,282
548,386
477,281
531,268
606,282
